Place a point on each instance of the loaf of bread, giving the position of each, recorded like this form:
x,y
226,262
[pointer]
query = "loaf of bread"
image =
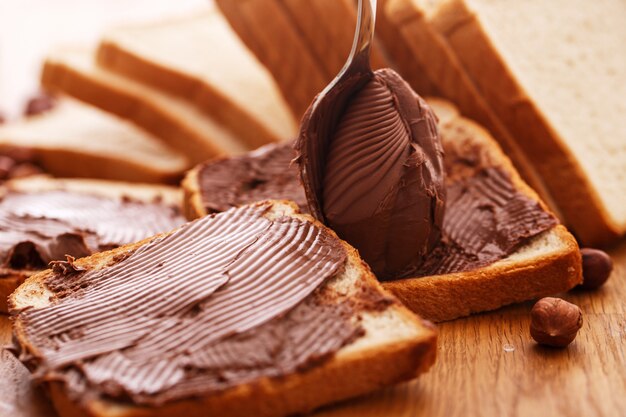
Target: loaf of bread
x,y
553,73
390,346
76,140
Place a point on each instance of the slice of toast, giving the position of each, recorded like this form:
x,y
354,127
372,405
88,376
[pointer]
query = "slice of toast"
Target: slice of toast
x,y
76,140
395,346
548,264
10,279
72,70
227,82
437,62
553,73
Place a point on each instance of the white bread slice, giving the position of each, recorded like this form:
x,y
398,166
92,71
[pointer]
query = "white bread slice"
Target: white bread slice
x,y
550,263
76,140
553,73
201,59
10,279
72,70
396,346
436,61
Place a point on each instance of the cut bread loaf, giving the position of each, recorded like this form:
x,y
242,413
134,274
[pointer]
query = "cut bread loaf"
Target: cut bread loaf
x,y
327,27
400,54
72,70
227,82
553,73
548,264
395,346
437,62
304,43
76,140
10,279
272,36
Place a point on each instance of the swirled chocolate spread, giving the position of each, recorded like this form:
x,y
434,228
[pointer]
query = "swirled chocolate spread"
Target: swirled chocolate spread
x,y
225,300
372,168
37,228
266,173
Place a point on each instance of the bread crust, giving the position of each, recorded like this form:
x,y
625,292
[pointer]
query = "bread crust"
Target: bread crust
x,y
193,208
578,201
351,372
10,279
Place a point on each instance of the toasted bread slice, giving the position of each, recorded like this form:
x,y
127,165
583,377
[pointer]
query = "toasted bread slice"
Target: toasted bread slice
x,y
548,264
227,82
436,61
10,279
396,346
76,140
552,72
180,125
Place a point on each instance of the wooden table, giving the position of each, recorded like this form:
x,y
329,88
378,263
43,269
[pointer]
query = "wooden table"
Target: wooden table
x,y
487,366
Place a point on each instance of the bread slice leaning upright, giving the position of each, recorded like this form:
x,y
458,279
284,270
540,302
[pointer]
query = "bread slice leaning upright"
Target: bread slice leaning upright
x,y
76,140
392,345
11,277
553,72
548,263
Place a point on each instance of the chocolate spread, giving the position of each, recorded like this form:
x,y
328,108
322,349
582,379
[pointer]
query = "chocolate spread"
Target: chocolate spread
x,y
224,300
487,217
266,173
37,228
372,167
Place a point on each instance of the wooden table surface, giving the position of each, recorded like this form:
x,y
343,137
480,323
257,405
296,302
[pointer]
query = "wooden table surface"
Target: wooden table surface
x,y
487,365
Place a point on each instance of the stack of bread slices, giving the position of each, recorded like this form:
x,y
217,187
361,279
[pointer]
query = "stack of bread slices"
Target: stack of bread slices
x,y
150,102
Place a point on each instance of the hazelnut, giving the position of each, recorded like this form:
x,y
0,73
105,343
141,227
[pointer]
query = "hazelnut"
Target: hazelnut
x,y
555,322
597,267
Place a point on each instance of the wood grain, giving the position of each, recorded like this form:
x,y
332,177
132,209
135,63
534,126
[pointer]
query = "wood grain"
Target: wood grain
x,y
487,366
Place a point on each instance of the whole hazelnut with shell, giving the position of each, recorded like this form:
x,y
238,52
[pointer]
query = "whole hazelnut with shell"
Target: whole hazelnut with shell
x,y
555,322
